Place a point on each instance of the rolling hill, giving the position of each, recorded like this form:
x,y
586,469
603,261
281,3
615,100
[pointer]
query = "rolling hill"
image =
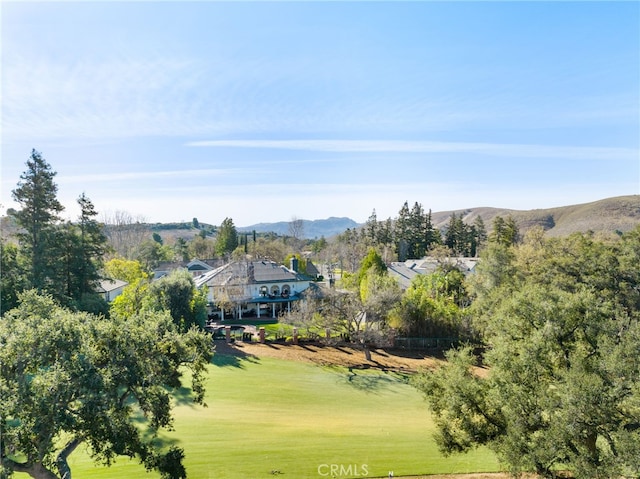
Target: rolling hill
x,y
620,213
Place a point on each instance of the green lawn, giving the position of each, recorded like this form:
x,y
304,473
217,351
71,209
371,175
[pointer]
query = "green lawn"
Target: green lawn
x,y
267,414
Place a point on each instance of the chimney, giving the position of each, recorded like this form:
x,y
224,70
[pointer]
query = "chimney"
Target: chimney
x,y
294,264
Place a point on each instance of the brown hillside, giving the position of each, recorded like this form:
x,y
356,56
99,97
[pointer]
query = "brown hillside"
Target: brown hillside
x,y
621,213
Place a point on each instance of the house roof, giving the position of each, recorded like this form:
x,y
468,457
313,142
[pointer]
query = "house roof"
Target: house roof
x,y
403,274
253,272
405,271
311,269
267,271
194,265
108,285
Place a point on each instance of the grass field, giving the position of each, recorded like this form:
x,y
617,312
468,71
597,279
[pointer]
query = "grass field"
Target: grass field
x,y
305,421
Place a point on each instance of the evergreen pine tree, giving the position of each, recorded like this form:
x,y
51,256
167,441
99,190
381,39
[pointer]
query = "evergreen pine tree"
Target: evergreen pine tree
x,y
481,234
36,193
372,228
227,239
417,244
431,234
93,245
401,232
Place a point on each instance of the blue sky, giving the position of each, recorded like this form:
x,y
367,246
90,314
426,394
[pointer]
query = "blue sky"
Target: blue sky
x,y
266,111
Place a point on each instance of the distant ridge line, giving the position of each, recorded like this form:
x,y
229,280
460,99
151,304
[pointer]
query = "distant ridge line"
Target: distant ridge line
x,y
620,213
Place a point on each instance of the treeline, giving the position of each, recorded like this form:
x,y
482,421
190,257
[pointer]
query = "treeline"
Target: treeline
x,y
75,370
66,259
62,259
559,323
413,235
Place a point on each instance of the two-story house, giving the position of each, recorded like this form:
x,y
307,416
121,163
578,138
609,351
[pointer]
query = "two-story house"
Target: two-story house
x,y
251,289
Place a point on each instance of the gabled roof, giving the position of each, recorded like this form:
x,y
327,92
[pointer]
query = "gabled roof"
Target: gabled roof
x,y
311,269
195,265
403,274
405,271
108,285
268,271
241,272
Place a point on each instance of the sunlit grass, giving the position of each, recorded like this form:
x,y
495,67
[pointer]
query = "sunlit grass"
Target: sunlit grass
x,y
267,415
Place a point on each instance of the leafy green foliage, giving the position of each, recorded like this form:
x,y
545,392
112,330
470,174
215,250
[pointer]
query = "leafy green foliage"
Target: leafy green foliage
x,y
176,293
151,253
505,232
12,277
432,306
125,270
561,320
61,259
80,249
227,239
70,378
463,239
302,262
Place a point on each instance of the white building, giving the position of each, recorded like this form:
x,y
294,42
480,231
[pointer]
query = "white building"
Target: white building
x,y
251,289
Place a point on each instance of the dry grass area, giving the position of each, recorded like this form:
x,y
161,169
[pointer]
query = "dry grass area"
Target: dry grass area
x,y
346,356
390,360
394,360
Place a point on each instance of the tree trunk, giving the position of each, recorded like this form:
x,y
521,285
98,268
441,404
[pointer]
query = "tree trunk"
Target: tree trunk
x,y
61,461
37,470
367,352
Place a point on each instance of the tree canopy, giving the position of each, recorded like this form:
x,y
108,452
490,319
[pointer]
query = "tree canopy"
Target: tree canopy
x,y
562,335
71,378
227,239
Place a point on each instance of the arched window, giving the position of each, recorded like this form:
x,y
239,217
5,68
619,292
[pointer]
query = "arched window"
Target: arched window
x,y
286,291
275,290
264,291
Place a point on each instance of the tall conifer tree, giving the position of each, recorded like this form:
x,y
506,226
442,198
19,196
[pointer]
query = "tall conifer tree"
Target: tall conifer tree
x,y
36,193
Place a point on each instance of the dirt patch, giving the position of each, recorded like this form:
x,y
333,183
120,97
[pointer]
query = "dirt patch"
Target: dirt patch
x,y
347,356
401,361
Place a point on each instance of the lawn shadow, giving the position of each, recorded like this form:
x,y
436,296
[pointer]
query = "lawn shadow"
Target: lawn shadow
x,y
183,396
342,350
435,353
231,355
372,383
307,348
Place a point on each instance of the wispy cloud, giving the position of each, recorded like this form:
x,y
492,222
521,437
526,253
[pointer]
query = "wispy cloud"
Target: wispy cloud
x,y
147,175
384,146
120,97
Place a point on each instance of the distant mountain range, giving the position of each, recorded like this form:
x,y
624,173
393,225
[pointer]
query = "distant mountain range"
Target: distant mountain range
x,y
621,213
310,228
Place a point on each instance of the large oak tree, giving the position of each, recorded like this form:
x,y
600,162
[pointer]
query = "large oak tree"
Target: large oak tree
x,y
562,332
72,378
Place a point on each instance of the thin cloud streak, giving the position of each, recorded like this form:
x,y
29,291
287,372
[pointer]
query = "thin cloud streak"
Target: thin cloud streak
x,y
383,146
141,175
